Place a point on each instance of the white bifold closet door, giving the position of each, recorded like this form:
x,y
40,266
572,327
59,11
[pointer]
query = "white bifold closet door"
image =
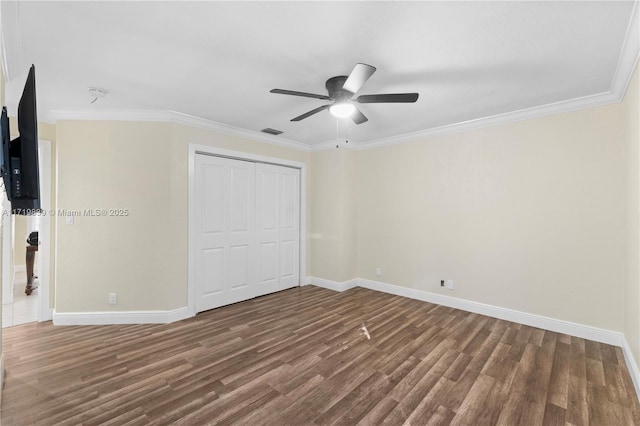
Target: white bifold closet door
x,y
248,230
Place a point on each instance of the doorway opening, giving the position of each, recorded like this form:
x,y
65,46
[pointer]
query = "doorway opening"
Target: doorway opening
x,y
21,305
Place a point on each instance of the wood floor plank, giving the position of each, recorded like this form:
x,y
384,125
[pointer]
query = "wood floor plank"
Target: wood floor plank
x,y
356,403
441,417
379,412
559,382
491,410
414,396
554,415
473,403
431,403
577,407
605,413
302,357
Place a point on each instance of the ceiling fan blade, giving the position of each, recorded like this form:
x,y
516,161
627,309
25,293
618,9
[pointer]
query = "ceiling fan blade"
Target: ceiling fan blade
x,y
303,94
310,113
388,98
358,77
358,117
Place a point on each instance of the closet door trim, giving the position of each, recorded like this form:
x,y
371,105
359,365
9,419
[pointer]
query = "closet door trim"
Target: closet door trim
x,y
198,149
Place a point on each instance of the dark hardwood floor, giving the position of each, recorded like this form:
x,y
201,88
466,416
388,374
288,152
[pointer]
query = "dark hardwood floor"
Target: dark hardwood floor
x,y
312,356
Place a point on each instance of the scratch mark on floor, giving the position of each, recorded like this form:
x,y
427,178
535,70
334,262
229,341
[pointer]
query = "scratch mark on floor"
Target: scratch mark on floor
x,y
365,331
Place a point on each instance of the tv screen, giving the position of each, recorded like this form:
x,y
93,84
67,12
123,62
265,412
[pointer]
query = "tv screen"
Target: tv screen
x,y
22,162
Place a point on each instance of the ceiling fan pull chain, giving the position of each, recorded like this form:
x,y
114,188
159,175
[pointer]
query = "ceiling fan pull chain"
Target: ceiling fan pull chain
x,y
346,134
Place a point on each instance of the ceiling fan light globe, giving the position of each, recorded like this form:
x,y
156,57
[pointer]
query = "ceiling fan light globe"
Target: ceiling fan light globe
x,y
342,109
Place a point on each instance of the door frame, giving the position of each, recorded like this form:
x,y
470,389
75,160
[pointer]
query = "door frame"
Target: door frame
x,y
7,250
198,149
44,250
45,313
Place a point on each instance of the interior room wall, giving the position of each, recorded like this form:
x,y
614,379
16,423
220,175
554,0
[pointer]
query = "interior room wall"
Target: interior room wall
x,y
527,216
332,233
142,167
631,111
113,165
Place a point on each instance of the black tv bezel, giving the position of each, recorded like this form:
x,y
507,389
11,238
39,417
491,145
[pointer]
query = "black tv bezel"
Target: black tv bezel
x,y
24,149
6,142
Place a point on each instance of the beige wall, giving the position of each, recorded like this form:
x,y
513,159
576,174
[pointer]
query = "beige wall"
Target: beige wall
x,y
142,167
332,233
631,110
103,165
527,216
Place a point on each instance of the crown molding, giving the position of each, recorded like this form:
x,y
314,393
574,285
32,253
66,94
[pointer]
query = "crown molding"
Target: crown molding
x,y
8,42
625,68
190,120
176,118
627,62
629,55
575,104
498,119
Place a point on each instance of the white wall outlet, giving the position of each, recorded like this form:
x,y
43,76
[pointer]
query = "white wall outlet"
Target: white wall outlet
x,y
450,284
113,298
378,272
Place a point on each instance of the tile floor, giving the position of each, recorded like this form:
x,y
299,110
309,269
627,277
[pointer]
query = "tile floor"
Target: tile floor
x,y
24,308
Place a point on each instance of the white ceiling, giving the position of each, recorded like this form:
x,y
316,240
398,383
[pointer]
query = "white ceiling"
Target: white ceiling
x,y
218,60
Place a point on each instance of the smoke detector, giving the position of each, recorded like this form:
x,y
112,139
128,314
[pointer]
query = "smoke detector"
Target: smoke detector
x,y
96,93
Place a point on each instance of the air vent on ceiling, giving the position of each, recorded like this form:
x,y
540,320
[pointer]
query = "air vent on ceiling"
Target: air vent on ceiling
x,y
271,131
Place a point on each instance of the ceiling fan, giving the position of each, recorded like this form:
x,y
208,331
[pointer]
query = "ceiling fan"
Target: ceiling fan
x,y
341,91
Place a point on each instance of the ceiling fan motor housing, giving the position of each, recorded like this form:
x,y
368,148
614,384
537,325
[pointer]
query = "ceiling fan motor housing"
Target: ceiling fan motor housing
x,y
334,87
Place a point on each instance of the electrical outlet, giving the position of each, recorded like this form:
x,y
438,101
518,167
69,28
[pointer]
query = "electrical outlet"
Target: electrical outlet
x,y
378,272
113,298
450,284
441,283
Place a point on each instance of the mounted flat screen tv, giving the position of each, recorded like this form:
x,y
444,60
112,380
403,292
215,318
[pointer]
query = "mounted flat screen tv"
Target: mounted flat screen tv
x,y
20,156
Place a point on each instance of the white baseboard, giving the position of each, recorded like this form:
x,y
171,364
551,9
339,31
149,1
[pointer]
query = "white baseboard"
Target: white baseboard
x,y
539,321
560,326
333,285
632,365
127,317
